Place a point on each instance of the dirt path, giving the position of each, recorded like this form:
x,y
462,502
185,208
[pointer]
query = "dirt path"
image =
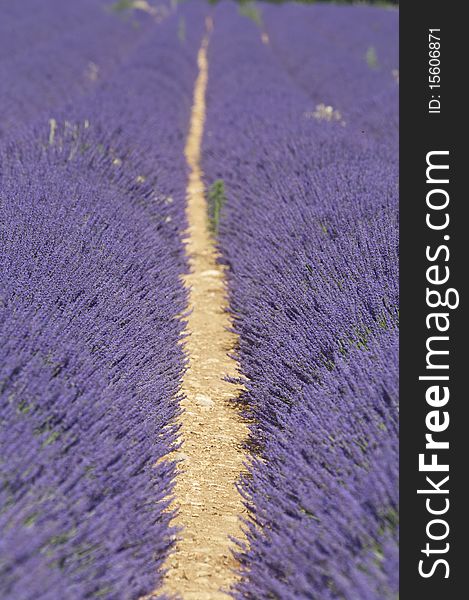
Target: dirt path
x,y
211,429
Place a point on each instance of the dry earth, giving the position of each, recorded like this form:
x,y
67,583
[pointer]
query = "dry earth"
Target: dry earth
x,y
212,431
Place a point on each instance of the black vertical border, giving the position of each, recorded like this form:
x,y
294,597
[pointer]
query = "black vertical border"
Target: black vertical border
x,y
420,133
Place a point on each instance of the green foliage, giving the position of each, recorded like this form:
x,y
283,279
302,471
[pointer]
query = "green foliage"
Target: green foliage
x,y
182,30
29,521
249,9
54,436
216,201
104,591
122,5
56,541
371,58
24,407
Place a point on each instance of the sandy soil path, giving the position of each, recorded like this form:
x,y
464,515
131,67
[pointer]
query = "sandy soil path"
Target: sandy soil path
x,y
211,429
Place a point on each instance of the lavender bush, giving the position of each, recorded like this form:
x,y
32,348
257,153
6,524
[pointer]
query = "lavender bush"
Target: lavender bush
x,y
309,232
92,196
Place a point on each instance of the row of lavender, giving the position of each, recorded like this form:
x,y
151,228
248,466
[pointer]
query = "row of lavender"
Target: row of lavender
x,y
91,212
302,129
52,52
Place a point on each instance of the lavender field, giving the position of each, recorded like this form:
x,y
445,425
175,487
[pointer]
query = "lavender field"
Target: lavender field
x,y
128,129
